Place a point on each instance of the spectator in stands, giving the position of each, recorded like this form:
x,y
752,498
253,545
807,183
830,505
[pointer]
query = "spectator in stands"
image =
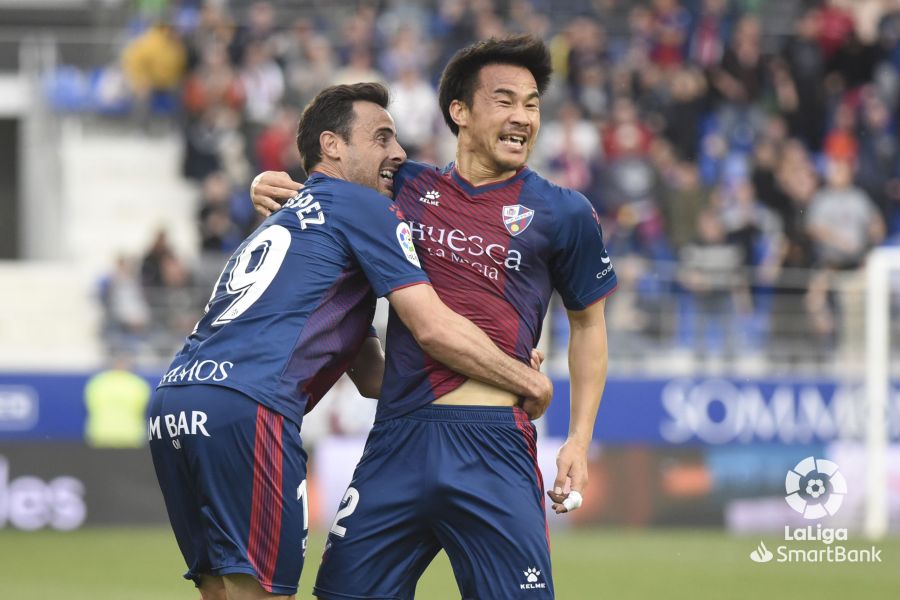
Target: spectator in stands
x,y
213,28
657,109
214,83
741,79
174,307
357,37
153,64
835,27
626,133
683,205
791,324
709,31
151,263
683,115
276,145
359,68
878,167
309,72
843,224
710,269
670,27
172,302
842,220
260,28
218,233
567,148
125,311
308,67
586,51
641,37
263,83
851,66
415,103
405,52
116,401
806,65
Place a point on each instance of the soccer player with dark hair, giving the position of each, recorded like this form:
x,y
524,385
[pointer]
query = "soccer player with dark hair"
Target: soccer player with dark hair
x,y
291,312
451,462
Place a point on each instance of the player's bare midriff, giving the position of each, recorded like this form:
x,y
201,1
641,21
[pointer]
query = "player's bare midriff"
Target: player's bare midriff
x,y
476,393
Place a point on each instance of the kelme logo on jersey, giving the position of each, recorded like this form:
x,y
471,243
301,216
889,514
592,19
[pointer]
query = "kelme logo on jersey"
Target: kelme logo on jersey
x,y
430,198
404,236
517,218
532,580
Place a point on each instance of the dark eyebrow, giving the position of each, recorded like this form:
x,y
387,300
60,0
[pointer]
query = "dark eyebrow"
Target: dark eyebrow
x,y
381,130
508,92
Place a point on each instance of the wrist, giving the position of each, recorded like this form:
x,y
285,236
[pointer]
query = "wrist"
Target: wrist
x,y
579,440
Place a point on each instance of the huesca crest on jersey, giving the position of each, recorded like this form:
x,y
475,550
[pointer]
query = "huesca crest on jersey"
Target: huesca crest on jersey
x,y
517,218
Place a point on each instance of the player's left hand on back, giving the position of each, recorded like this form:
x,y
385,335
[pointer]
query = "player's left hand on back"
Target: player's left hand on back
x,y
571,465
270,190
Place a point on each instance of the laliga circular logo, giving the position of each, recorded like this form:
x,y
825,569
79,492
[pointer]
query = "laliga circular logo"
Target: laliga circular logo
x,y
815,488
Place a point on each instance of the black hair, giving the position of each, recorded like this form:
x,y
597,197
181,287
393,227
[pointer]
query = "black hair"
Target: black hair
x,y
460,77
332,110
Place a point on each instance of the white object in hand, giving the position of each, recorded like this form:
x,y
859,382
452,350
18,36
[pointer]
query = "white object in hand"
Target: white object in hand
x,y
573,501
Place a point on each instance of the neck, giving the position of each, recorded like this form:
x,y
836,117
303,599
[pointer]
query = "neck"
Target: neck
x,y
476,169
328,169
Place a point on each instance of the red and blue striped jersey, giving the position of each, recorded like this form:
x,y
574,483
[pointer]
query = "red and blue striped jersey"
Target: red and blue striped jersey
x,y
494,254
296,299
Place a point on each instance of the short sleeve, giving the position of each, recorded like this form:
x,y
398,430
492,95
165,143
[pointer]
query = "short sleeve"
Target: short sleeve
x,y
381,241
582,269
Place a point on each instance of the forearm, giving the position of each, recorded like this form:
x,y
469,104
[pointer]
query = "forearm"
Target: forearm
x,y
588,362
367,369
461,345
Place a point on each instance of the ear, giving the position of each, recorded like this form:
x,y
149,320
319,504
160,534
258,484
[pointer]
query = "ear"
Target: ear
x,y
459,112
332,145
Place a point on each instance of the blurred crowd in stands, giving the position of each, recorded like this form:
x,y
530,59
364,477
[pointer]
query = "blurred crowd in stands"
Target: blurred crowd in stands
x,y
742,174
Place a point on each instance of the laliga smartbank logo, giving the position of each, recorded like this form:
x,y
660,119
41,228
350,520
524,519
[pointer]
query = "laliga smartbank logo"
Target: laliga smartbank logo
x,y
823,483
815,488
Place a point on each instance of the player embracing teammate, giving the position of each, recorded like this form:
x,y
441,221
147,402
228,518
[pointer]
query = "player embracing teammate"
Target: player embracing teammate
x,y
291,312
452,463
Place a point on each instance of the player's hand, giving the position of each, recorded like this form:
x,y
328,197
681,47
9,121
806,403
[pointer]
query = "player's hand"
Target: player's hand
x,y
537,358
535,406
271,189
571,468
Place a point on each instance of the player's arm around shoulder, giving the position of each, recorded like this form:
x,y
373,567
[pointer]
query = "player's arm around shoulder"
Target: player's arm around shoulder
x,y
270,190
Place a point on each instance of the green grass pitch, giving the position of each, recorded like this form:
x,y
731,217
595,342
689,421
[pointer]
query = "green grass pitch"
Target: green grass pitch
x,y
592,564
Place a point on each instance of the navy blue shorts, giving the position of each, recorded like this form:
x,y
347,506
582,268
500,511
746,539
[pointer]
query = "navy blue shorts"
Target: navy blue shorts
x,y
233,476
464,479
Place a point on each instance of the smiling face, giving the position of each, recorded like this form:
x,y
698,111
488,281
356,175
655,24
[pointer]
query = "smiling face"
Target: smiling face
x,y
372,154
502,124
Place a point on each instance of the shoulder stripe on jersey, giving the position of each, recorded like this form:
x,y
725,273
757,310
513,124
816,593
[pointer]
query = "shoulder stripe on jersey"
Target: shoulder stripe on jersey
x,y
265,512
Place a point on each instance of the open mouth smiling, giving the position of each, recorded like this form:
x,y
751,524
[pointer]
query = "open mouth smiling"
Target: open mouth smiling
x,y
514,139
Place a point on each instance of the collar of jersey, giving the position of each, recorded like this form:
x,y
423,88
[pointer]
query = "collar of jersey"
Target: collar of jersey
x,y
480,189
316,175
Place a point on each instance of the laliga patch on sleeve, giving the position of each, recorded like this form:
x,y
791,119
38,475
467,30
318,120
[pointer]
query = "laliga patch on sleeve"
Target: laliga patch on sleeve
x,y
404,236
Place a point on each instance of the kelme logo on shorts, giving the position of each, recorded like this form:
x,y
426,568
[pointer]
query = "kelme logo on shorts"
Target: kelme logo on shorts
x,y
532,580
